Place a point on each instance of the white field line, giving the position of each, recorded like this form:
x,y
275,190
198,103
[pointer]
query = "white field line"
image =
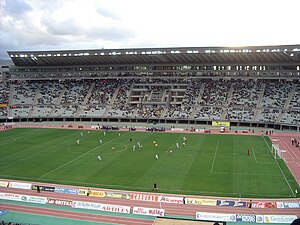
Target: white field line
x,y
213,163
247,174
281,171
78,157
254,155
290,150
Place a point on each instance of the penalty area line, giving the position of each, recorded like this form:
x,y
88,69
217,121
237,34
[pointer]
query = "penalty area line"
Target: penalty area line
x,y
280,169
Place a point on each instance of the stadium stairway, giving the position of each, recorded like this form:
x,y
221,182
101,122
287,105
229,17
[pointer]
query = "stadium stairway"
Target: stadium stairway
x,y
60,97
114,96
88,95
290,96
200,93
262,91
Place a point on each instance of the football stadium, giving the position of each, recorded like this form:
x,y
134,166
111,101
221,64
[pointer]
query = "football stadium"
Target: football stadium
x,y
185,135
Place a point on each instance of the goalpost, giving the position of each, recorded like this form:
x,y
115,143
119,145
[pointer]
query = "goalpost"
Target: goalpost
x,y
276,152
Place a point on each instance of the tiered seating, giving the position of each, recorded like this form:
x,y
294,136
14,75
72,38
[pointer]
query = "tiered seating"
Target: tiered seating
x,y
3,112
120,107
150,112
200,99
93,111
245,93
49,92
269,115
179,112
65,111
208,113
4,92
20,111
41,111
4,98
291,117
276,94
75,92
24,93
295,101
239,114
103,92
215,92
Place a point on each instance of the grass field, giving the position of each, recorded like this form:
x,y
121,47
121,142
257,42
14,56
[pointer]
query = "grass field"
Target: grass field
x,y
209,164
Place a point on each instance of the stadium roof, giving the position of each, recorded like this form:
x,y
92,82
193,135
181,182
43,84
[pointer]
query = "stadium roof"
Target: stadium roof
x,y
284,54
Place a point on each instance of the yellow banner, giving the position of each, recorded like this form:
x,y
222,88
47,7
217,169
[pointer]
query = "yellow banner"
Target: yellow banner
x,y
199,201
97,193
220,123
3,184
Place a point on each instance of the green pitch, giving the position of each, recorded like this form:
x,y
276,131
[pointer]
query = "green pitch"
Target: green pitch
x,y
208,164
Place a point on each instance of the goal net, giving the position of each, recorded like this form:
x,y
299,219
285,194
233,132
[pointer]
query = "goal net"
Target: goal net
x,y
276,152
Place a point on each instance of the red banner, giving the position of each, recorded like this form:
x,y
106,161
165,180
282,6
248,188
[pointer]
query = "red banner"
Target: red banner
x,y
264,205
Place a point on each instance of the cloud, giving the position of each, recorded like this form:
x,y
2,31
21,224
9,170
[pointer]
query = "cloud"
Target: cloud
x,y
16,7
74,24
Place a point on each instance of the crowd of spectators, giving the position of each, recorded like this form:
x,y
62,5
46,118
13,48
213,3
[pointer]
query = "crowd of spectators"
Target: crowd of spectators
x,y
209,99
276,93
49,92
24,92
150,112
291,117
239,114
179,112
211,113
295,101
75,91
245,93
4,92
215,92
269,115
195,74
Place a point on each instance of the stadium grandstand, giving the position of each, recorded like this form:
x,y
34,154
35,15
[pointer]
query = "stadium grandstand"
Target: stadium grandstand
x,y
247,86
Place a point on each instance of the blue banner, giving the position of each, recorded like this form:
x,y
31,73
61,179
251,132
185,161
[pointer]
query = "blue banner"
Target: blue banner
x,y
66,191
291,205
231,203
250,218
2,212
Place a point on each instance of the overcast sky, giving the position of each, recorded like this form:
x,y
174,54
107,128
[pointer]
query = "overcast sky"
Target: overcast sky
x,y
93,24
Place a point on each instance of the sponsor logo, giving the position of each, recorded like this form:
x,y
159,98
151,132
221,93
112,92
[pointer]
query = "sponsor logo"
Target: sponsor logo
x,y
197,201
141,197
246,218
216,217
3,184
20,185
231,203
66,191
293,205
174,200
101,207
279,218
60,202
97,193
116,195
148,211
264,205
